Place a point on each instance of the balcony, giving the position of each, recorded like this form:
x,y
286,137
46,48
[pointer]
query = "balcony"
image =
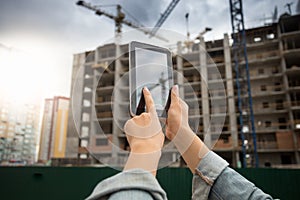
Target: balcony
x,y
267,90
263,56
291,41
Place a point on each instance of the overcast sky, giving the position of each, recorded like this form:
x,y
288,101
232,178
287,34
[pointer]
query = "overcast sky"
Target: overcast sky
x,y
54,30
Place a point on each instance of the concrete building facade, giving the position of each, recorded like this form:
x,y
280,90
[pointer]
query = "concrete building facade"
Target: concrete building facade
x,y
273,54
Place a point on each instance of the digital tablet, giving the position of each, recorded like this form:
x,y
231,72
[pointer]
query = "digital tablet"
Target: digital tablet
x,y
149,66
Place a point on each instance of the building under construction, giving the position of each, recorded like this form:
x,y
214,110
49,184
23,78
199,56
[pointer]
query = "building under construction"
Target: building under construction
x,y
274,67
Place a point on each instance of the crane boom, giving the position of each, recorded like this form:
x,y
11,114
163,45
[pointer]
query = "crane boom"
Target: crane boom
x,y
119,19
164,16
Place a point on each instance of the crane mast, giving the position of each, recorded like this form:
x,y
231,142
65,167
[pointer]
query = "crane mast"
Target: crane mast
x,y
246,116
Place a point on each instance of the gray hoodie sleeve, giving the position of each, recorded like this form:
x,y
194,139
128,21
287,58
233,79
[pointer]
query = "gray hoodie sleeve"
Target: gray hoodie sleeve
x,y
129,185
213,179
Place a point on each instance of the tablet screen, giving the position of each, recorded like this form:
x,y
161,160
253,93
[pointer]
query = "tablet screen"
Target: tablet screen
x,y
151,70
154,76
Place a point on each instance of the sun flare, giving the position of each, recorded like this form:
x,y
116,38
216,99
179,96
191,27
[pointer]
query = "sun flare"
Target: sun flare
x,y
21,76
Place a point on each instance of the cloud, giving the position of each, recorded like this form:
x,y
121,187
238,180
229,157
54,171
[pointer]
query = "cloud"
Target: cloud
x,y
67,28
33,15
52,20
201,14
2,46
64,20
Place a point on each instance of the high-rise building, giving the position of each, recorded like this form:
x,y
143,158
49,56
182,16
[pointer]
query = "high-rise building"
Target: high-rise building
x,y
274,67
18,132
54,129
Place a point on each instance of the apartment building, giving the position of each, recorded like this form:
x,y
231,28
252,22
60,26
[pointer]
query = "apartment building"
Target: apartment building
x,y
54,129
18,133
274,67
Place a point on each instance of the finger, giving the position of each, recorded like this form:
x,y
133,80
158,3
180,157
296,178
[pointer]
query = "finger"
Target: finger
x,y
174,95
148,99
183,104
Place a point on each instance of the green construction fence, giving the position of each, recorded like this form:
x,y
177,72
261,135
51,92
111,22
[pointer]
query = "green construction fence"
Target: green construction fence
x,y
78,182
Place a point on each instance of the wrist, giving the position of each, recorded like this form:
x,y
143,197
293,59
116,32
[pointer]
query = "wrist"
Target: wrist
x,y
175,131
145,161
183,139
140,147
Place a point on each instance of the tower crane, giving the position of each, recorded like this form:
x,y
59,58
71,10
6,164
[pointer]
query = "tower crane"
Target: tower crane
x,y
245,107
164,16
289,5
119,19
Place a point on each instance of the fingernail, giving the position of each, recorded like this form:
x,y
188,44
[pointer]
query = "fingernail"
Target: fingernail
x,y
146,89
176,90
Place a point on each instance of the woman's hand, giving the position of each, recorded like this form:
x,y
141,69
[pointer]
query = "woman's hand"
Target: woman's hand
x,y
143,132
177,115
179,132
145,137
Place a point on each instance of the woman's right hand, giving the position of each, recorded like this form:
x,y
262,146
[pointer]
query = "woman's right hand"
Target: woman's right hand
x,y
179,132
177,115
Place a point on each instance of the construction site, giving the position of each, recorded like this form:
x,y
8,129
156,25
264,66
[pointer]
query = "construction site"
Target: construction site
x,y
262,132
242,91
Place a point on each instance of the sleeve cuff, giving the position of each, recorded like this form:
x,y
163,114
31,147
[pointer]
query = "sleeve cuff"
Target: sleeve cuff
x,y
208,170
132,179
